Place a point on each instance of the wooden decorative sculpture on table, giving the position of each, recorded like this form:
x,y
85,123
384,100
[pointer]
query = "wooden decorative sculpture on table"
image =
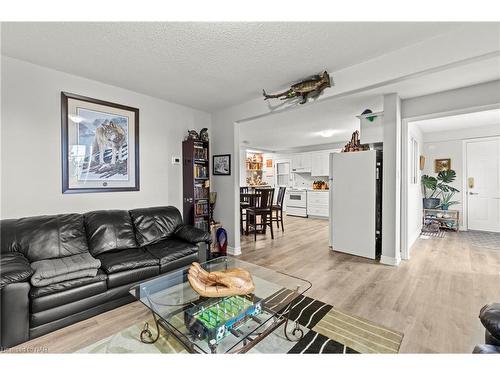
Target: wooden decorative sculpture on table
x,y
231,282
310,87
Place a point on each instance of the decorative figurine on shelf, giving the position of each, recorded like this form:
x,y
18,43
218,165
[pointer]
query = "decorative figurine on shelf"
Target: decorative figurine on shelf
x,y
310,87
231,282
367,112
212,201
355,144
192,134
204,135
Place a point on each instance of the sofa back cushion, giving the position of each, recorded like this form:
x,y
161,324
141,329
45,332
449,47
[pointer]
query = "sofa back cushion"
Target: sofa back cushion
x,y
109,230
155,223
45,237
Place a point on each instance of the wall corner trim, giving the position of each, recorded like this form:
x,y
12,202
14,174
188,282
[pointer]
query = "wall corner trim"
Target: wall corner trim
x,y
234,250
390,261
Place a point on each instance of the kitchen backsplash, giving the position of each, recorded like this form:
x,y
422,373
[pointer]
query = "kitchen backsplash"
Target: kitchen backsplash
x,y
305,180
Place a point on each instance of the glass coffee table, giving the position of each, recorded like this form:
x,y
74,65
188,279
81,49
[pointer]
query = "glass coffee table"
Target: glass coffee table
x,y
221,324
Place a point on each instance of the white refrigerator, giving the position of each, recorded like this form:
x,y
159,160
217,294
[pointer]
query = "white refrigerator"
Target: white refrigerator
x,y
356,203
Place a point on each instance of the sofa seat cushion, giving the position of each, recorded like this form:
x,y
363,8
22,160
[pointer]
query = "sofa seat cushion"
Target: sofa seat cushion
x,y
109,230
173,254
51,271
14,268
155,223
69,295
126,260
131,276
36,292
169,250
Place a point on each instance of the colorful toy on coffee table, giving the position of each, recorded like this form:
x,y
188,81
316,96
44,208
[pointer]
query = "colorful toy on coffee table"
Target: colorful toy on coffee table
x,y
214,319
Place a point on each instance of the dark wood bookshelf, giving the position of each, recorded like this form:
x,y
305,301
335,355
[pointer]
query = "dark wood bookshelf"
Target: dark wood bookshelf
x,y
196,183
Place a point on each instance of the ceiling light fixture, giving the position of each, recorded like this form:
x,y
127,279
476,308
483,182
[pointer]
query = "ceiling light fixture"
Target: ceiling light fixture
x,y
327,133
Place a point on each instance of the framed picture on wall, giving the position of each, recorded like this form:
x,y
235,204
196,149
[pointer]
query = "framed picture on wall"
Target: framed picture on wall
x,y
222,165
99,144
442,165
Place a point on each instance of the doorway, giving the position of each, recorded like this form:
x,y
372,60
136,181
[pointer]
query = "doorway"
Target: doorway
x,y
483,184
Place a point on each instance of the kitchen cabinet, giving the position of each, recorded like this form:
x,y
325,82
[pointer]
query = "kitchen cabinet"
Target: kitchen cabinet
x,y
301,162
320,163
318,203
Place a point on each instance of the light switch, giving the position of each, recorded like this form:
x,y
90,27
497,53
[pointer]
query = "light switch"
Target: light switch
x,y
176,160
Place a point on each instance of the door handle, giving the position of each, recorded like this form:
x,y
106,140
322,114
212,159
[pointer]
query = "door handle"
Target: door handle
x,y
471,193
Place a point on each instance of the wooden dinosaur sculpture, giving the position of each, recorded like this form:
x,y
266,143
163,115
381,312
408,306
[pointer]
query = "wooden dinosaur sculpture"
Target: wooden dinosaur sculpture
x,y
235,281
312,86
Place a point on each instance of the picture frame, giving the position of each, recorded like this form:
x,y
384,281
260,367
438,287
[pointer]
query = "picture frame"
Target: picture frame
x,y
221,165
99,145
442,165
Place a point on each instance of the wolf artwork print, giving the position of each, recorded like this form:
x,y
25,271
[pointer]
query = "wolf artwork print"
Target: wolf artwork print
x,y
101,149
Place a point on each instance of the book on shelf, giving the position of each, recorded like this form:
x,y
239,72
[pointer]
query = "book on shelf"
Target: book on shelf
x,y
200,153
201,223
200,192
200,171
201,208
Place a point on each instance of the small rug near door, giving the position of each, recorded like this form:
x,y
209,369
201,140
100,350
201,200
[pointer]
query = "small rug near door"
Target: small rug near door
x,y
489,240
427,234
326,330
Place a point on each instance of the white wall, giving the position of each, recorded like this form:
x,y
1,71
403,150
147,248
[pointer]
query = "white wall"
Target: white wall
x,y
414,213
31,143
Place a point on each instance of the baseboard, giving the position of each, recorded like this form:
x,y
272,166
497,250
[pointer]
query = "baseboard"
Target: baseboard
x,y
390,261
234,250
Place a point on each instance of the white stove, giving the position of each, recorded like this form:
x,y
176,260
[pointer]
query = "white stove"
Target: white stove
x,y
296,202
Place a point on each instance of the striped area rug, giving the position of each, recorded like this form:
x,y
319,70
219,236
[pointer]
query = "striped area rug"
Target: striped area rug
x,y
326,330
333,331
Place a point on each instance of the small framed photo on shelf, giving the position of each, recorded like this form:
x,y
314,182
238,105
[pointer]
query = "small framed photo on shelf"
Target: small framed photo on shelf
x,y
222,165
442,165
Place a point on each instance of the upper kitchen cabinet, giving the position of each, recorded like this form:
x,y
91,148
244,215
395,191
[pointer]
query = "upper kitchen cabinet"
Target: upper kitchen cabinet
x,y
301,163
319,163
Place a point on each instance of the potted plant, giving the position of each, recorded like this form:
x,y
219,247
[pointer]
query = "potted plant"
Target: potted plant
x,y
429,186
439,186
447,191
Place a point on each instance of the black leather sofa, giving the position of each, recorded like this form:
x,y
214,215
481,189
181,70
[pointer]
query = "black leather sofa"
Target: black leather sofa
x,y
490,318
131,246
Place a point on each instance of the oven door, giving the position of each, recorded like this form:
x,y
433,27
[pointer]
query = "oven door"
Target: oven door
x,y
297,199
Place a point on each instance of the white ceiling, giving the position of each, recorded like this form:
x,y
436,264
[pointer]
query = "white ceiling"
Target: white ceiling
x,y
467,120
208,65
301,127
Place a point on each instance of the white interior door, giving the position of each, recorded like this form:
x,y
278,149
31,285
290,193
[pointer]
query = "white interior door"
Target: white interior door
x,y
483,185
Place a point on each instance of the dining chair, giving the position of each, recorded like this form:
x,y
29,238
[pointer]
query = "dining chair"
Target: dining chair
x,y
244,204
263,209
278,208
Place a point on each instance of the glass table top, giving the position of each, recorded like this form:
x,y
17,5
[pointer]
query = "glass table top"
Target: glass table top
x,y
202,321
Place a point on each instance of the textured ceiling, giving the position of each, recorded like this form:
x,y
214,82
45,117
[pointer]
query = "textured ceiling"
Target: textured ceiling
x,y
207,65
467,120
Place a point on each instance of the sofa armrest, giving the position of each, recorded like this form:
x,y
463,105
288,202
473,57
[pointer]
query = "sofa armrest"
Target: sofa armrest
x,y
14,268
191,234
490,317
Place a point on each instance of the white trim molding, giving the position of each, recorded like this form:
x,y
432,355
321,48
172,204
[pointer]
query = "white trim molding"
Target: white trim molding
x,y
235,251
389,261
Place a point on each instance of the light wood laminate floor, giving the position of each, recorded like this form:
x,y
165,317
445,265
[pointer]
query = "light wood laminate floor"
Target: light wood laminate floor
x,y
434,298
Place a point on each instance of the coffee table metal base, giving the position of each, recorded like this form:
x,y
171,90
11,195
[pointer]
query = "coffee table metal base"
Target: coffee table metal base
x,y
297,333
